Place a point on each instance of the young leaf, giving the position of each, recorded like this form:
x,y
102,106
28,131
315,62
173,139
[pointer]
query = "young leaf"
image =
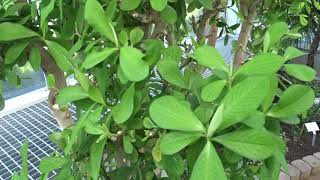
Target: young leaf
x,y
275,32
243,99
96,57
255,144
210,57
60,55
292,52
44,13
263,64
51,81
132,65
49,164
300,71
35,58
136,35
168,113
70,94
129,5
295,100
96,153
12,31
216,121
95,16
122,112
158,5
169,15
212,91
127,146
208,165
170,72
14,52
175,141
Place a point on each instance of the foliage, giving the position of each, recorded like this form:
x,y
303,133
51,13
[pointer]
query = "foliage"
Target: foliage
x,y
144,111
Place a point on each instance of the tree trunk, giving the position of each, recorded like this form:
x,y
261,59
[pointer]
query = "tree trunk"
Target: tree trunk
x,y
244,35
313,48
212,39
63,117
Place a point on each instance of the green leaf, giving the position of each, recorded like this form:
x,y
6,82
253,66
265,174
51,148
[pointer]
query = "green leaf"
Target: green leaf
x,y
60,55
95,95
70,94
275,32
212,91
204,113
111,9
169,15
24,157
96,57
122,112
82,79
267,102
132,65
300,71
35,58
208,165
243,99
49,164
96,155
172,53
210,57
216,121
295,100
174,165
158,5
95,16
291,120
51,81
173,142
263,64
292,52
136,35
168,113
206,3
170,72
127,146
129,5
255,144
12,31
44,13
14,52
2,102
148,124
256,120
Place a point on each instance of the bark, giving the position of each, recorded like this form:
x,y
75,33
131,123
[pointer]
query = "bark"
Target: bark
x,y
313,48
212,39
63,117
246,28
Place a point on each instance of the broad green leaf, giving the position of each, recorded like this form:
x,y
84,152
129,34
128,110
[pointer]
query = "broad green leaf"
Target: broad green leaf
x,y
127,146
24,157
172,53
14,52
255,144
208,165
158,5
206,3
291,120
175,141
136,35
212,91
295,100
129,5
267,102
170,72
44,13
275,32
132,65
263,64
51,81
292,52
216,121
169,15
96,155
70,94
168,113
35,58
95,95
204,112
122,112
60,55
49,164
12,31
111,9
96,57
300,71
255,121
210,57
95,16
82,79
243,99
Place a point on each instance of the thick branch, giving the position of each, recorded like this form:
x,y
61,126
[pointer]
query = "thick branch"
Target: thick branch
x,y
313,48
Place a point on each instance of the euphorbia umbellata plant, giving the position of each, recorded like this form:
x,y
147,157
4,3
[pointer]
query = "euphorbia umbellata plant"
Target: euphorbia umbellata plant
x,y
144,108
